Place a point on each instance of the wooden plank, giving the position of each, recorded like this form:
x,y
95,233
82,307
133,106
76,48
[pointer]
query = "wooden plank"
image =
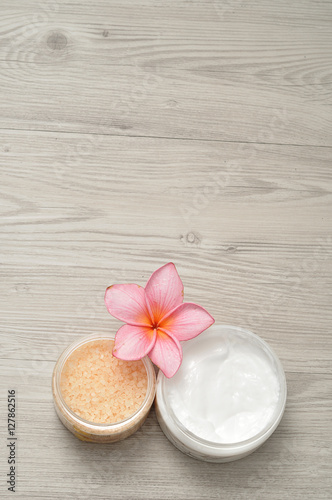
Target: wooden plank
x,y
172,73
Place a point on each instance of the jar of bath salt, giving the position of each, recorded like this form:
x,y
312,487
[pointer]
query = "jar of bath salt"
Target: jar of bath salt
x,y
227,397
98,397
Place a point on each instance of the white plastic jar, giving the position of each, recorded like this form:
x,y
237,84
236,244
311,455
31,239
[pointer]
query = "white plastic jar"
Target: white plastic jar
x,y
227,398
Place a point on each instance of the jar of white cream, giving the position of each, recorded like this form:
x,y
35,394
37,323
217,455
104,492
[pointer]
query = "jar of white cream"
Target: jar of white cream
x,y
226,399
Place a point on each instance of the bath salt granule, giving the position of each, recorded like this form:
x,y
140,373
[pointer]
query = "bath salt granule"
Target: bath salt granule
x,y
101,388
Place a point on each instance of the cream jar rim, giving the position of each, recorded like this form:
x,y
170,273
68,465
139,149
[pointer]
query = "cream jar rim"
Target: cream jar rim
x,y
212,446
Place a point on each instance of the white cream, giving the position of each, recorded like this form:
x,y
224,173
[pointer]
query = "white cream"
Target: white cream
x,y
227,388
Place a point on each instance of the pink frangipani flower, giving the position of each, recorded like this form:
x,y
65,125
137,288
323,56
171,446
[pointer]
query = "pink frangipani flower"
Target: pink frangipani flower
x,y
157,319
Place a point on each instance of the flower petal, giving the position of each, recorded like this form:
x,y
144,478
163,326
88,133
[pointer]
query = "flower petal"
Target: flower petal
x,y
127,303
133,342
166,353
163,291
187,321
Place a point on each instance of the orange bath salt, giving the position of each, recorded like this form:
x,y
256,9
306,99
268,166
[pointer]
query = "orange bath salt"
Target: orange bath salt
x,y
101,388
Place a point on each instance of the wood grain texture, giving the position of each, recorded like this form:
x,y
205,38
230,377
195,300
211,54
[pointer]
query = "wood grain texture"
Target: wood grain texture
x,y
133,135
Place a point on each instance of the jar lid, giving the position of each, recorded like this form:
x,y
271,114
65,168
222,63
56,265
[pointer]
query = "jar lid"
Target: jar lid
x,y
227,397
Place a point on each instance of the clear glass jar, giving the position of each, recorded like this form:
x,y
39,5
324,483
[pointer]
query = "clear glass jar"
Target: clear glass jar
x,y
99,432
184,439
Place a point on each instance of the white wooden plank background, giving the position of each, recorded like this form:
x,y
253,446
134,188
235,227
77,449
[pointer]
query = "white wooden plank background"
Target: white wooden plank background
x,y
137,133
